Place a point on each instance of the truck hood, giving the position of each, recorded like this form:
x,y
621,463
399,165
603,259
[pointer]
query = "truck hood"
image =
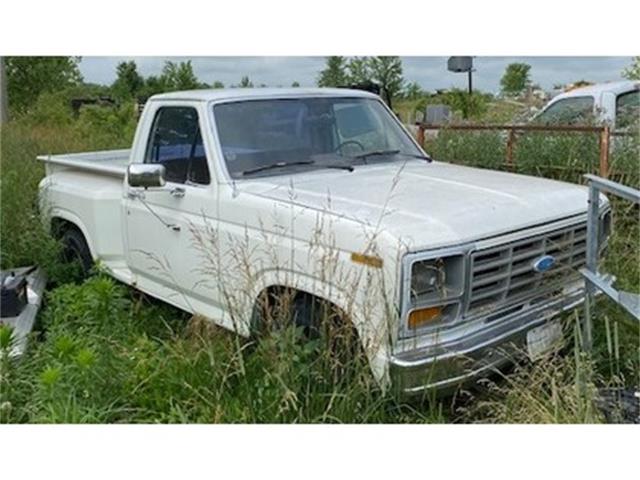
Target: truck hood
x,y
428,205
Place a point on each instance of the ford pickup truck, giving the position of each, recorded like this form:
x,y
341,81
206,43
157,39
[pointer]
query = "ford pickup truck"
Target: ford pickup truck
x,y
443,271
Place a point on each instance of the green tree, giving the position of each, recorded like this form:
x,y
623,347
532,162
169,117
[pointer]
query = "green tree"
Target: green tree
x,y
412,91
245,82
128,82
4,111
179,76
217,84
359,70
470,106
334,73
515,78
387,72
295,84
632,72
152,86
29,77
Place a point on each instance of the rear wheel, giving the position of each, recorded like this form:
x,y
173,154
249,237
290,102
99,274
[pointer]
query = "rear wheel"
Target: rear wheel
x,y
76,251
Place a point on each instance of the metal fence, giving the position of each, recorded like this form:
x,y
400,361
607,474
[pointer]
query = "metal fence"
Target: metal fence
x,y
595,280
604,134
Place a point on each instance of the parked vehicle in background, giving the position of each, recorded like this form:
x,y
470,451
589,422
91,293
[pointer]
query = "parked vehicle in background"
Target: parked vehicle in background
x,y
230,197
616,104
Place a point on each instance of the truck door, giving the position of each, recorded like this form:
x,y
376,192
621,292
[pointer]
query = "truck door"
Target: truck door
x,y
159,221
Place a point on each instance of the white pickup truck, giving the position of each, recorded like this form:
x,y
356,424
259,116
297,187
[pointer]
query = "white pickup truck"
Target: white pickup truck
x,y
443,271
615,103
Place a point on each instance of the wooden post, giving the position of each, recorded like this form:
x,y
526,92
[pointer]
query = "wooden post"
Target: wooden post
x,y
4,107
511,139
605,135
420,135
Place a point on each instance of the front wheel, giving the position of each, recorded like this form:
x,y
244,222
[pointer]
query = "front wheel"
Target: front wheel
x,y
318,321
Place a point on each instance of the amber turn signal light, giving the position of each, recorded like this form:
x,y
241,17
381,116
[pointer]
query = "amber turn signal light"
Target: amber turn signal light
x,y
366,260
422,316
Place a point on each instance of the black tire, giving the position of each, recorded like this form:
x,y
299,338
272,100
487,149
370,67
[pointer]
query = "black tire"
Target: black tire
x,y
337,336
75,249
280,308
336,339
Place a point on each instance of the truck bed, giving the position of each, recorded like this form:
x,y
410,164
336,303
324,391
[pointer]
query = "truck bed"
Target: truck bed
x,y
109,162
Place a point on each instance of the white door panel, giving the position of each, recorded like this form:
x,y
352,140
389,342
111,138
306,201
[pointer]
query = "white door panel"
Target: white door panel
x,y
164,225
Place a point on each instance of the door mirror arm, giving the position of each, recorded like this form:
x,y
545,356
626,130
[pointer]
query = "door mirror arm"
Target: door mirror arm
x,y
147,175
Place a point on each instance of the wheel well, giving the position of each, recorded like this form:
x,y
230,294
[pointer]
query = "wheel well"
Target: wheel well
x,y
336,329
277,299
59,226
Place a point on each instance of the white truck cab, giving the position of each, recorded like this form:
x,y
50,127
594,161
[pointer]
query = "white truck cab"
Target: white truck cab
x,y
444,271
615,103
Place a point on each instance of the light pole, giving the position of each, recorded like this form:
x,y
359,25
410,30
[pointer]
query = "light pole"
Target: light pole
x,y
462,64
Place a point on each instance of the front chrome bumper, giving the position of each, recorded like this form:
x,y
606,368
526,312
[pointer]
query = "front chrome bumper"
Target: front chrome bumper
x,y
443,367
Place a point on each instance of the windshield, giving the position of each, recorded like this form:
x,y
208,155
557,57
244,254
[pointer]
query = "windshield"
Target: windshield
x,y
284,136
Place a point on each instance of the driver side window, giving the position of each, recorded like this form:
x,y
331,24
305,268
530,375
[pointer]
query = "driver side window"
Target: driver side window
x,y
176,143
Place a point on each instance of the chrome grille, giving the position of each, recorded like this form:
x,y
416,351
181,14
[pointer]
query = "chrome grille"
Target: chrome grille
x,y
501,275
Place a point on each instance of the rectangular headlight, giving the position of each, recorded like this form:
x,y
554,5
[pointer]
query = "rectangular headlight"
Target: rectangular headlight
x,y
437,279
435,289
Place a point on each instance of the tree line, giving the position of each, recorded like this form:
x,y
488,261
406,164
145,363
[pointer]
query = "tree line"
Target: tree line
x,y
27,78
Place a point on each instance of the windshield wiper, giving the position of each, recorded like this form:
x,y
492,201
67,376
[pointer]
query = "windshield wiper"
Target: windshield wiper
x,y
375,153
277,165
364,156
337,166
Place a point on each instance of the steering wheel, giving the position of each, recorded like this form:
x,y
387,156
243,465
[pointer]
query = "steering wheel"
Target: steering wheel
x,y
348,142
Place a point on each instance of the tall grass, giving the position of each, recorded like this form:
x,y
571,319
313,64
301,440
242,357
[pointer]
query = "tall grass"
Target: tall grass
x,y
49,128
563,156
111,355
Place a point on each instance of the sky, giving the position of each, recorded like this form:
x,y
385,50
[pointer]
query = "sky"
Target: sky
x,y
430,72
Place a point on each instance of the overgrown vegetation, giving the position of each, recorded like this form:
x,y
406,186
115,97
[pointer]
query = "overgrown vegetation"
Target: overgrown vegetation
x,y
105,353
110,355
558,155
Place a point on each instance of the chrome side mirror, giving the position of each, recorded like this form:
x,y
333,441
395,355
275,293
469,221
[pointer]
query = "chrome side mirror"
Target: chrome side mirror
x,y
146,175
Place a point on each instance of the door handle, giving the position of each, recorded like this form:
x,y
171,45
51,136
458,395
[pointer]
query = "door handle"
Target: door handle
x,y
177,192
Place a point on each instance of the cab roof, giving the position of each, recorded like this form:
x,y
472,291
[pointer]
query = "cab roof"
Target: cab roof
x,y
599,88
255,93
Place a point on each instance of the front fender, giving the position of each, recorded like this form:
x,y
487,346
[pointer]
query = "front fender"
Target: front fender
x,y
370,322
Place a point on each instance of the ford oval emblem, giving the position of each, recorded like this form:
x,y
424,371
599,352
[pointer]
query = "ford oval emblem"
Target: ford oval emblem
x,y
544,263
